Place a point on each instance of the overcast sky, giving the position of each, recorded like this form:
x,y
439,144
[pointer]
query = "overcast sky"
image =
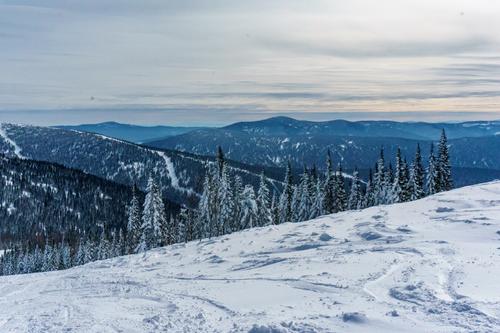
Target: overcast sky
x,y
214,62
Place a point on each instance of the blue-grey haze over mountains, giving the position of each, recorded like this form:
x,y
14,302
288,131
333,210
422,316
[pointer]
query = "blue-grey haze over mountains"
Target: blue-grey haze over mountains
x,y
212,63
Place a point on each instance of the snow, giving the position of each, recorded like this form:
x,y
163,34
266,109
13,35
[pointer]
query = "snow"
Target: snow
x,y
171,173
17,149
427,266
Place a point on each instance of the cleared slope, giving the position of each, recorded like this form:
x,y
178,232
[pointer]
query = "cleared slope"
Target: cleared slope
x,y
425,266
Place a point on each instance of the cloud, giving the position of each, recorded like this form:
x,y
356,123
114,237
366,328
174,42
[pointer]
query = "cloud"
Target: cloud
x,y
267,56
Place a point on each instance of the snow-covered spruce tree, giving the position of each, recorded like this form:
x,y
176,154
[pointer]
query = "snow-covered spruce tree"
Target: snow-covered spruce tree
x,y
248,208
304,200
355,195
432,184
341,195
329,187
153,218
379,181
317,200
275,209
264,215
225,201
220,161
369,198
203,215
286,199
444,167
104,248
237,216
134,223
209,206
417,177
398,185
66,261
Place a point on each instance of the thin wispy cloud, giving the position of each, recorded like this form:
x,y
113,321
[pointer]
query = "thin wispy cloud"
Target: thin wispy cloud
x,y
264,57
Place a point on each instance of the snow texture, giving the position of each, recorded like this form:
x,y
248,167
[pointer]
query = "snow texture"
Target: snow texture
x,y
430,265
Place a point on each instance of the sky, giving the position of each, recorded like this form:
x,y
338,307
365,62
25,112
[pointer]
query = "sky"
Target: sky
x,y
195,62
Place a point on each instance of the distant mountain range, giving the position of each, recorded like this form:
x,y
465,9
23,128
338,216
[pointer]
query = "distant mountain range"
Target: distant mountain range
x,y
133,133
274,141
285,126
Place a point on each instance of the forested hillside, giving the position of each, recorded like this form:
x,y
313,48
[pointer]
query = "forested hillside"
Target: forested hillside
x,y
180,175
42,202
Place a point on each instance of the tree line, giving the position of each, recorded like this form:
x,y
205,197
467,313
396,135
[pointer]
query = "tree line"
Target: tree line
x,y
227,205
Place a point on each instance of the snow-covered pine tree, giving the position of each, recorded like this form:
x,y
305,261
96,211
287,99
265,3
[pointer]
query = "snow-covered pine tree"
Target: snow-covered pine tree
x,y
432,180
369,198
203,223
235,222
317,200
355,195
264,215
303,196
286,200
226,202
220,161
398,185
444,167
153,219
248,208
79,257
379,181
65,256
406,181
341,195
104,247
329,187
48,259
417,176
275,209
134,222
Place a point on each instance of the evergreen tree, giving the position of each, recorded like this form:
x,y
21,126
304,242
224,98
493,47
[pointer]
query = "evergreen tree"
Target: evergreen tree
x,y
369,199
286,199
134,222
264,215
220,161
153,219
303,196
444,167
275,210
432,181
235,222
380,181
329,187
417,176
341,195
248,208
355,195
317,204
226,202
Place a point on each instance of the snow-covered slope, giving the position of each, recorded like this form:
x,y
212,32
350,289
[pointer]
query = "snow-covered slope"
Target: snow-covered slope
x,y
427,266
180,174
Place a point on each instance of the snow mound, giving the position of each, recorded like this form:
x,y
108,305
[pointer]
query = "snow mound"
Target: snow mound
x,y
427,266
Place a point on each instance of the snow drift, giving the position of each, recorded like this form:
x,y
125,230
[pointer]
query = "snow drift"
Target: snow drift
x,y
426,266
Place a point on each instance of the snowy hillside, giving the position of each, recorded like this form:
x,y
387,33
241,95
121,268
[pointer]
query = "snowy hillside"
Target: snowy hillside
x,y
426,266
180,174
